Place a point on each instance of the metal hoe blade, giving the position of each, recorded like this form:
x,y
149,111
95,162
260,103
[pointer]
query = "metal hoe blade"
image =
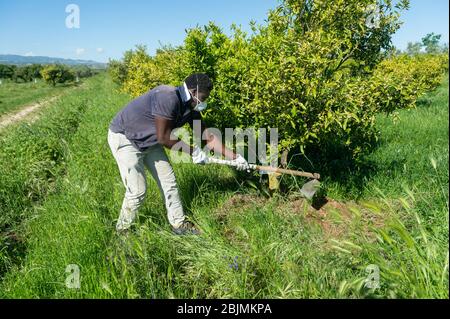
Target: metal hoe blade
x,y
309,189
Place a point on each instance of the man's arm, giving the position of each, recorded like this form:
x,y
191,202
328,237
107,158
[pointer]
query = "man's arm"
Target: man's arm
x,y
164,128
216,145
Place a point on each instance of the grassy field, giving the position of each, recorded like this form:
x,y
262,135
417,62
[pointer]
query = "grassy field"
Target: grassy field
x,y
14,95
61,194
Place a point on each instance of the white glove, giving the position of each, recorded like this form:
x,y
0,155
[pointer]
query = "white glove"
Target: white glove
x,y
198,156
241,163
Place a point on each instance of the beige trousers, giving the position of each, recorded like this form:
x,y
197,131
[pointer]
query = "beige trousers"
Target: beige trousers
x,y
132,163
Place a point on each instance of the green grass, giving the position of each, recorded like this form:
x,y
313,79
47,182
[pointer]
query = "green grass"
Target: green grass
x,y
281,247
406,147
14,95
32,157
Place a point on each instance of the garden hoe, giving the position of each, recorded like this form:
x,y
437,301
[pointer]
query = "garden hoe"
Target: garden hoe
x,y
308,190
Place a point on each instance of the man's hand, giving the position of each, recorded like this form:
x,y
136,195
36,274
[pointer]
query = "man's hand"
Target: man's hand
x,y
199,157
241,163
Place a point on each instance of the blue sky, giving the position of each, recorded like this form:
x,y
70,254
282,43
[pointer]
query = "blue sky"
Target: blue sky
x,y
108,28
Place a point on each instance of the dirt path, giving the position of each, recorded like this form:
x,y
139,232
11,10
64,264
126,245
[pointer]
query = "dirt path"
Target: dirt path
x,y
29,112
23,113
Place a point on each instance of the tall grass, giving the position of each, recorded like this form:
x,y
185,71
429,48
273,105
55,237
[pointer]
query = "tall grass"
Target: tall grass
x,y
32,157
252,247
412,260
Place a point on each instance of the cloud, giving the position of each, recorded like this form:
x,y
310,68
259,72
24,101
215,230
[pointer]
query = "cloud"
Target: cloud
x,y
100,50
80,51
29,54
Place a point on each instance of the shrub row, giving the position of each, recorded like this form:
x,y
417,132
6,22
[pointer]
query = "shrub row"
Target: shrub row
x,y
318,71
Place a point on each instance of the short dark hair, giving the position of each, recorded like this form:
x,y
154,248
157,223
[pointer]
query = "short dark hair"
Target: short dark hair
x,y
200,81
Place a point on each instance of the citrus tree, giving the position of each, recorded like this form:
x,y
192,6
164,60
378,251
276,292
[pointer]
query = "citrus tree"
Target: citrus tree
x,y
318,71
54,74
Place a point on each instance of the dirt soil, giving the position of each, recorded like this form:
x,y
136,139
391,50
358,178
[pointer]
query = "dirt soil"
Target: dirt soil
x,y
26,112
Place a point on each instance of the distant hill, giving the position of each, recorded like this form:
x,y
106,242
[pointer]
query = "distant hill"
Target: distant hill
x,y
23,60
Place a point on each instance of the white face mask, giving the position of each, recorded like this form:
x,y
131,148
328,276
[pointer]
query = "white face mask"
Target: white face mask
x,y
201,106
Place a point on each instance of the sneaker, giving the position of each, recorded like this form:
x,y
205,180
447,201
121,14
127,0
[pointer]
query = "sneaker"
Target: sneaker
x,y
187,228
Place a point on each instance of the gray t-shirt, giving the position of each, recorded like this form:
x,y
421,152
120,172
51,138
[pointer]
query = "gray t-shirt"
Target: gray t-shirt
x,y
137,120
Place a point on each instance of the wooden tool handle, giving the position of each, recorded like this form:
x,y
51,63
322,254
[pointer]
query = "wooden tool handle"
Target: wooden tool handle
x,y
266,168
287,171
